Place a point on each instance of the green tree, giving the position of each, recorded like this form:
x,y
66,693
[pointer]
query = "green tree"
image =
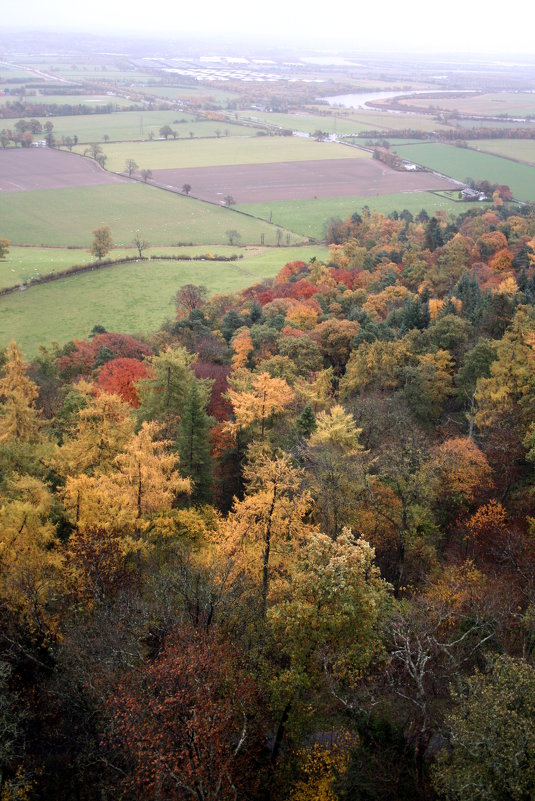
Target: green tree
x,y
194,445
492,737
4,247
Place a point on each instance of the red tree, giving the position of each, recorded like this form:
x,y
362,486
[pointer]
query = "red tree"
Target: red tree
x,y
119,376
184,722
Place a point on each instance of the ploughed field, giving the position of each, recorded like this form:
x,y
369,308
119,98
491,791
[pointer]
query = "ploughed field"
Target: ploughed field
x,y
301,180
29,169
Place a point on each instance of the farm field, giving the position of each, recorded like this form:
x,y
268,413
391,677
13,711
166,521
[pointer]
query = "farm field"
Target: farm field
x,y
387,121
305,122
520,149
201,93
128,298
227,150
461,163
24,263
308,217
72,100
135,125
28,169
492,103
65,217
299,180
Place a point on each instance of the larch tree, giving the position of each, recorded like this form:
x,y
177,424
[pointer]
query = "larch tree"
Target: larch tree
x,y
258,400
19,419
265,526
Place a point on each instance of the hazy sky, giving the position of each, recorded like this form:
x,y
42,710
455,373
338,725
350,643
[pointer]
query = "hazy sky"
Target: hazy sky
x,y
451,25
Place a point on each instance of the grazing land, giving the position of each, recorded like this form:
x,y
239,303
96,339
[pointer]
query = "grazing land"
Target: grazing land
x,y
309,123
518,149
461,163
308,217
74,100
300,180
488,104
64,217
176,154
30,169
128,298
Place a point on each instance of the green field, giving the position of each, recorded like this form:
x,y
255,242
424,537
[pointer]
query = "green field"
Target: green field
x,y
305,122
387,121
138,125
227,150
308,217
129,298
25,263
72,100
461,163
64,217
202,93
520,149
515,104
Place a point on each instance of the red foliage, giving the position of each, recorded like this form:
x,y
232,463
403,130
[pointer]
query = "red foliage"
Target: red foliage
x,y
265,296
119,376
342,276
83,358
184,722
218,407
290,269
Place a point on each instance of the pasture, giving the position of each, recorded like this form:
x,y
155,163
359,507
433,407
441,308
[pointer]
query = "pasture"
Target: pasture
x,y
64,217
308,217
308,123
137,125
72,100
300,180
515,104
128,298
461,163
518,149
176,154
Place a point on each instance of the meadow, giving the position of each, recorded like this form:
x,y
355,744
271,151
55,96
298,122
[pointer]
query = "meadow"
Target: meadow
x,y
308,217
306,122
175,154
71,100
490,103
138,125
518,149
461,163
64,217
129,298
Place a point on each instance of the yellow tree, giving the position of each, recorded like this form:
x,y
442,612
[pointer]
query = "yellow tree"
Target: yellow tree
x,y
269,519
258,399
242,345
333,456
29,557
102,430
19,419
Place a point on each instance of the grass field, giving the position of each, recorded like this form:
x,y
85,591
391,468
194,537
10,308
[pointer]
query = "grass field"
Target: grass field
x,y
129,298
227,150
73,100
64,217
308,217
306,122
127,125
24,263
186,91
461,163
386,121
520,149
492,103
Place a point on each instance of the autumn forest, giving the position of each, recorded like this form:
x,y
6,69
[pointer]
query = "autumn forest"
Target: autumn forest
x,y
282,549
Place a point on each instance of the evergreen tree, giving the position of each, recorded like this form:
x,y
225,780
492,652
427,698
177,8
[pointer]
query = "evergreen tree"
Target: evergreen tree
x,y
306,422
194,446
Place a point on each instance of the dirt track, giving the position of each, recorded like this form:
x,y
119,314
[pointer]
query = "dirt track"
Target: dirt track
x,y
27,169
299,180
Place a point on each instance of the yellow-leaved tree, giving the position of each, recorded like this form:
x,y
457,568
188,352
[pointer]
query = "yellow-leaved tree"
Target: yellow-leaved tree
x,y
256,399
263,529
